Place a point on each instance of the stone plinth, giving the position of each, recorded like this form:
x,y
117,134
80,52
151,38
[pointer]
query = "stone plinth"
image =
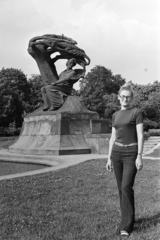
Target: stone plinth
x,y
100,126
99,143
58,132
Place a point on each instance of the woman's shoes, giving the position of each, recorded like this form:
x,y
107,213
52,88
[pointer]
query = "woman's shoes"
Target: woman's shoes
x,y
124,234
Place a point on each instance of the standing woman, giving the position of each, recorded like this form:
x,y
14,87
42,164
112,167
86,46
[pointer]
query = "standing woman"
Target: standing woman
x,y
125,155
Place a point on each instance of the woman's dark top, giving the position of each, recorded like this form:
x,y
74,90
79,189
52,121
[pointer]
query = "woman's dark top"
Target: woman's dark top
x,y
125,121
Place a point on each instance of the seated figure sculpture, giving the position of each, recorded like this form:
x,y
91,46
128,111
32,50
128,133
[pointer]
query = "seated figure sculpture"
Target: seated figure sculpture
x,y
55,93
57,88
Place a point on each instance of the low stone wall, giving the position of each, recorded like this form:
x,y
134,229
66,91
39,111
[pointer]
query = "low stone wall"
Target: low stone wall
x,y
99,143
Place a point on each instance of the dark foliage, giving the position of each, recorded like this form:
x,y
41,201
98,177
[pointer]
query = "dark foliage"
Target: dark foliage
x,y
14,96
36,101
97,86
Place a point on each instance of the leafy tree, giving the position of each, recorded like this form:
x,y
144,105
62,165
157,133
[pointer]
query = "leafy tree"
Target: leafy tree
x,y
111,104
99,82
14,95
35,101
147,98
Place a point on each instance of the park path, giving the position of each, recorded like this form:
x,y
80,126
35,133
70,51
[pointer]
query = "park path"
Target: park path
x,y
151,144
54,163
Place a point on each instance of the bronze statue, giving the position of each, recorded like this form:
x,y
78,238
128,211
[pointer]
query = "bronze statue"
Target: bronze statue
x,y
55,93
57,88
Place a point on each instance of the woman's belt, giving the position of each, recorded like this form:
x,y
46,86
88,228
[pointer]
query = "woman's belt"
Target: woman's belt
x,y
125,145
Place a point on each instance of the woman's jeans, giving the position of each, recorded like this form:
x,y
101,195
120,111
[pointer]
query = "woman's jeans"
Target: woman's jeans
x,y
123,159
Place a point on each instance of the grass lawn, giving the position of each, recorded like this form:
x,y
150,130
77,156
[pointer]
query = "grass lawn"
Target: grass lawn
x,y
12,168
155,153
77,203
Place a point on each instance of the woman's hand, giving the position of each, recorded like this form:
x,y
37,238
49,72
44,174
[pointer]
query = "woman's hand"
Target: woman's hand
x,y
139,162
109,165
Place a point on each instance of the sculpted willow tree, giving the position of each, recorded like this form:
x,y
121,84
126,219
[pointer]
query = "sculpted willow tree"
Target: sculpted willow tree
x,y
57,88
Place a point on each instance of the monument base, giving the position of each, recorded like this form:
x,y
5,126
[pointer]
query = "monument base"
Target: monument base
x,y
99,143
60,132
51,145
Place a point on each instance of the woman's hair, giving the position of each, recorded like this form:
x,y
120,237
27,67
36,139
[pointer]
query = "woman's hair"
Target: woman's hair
x,y
127,87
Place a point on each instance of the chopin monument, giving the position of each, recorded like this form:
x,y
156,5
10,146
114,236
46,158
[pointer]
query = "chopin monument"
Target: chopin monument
x,y
63,124
57,88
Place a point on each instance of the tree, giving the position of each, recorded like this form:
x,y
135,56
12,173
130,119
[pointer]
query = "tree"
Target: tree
x,y
99,82
111,104
147,98
35,101
14,96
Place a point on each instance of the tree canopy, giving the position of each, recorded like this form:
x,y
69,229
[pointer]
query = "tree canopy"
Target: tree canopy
x,y
97,86
35,101
147,97
14,94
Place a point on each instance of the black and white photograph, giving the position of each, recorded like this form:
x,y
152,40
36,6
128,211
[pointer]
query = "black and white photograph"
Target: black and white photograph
x,y
79,120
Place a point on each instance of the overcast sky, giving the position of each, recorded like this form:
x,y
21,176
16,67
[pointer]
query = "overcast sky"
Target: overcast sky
x,y
121,35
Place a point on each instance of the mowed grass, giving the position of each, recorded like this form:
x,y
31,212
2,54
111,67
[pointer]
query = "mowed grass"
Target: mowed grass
x,y
11,167
155,153
77,203
7,168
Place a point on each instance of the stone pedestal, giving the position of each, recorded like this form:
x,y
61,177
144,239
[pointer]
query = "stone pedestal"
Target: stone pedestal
x,y
99,143
58,132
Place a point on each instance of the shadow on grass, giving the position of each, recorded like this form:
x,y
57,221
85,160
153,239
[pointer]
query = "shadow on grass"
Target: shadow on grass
x,y
146,223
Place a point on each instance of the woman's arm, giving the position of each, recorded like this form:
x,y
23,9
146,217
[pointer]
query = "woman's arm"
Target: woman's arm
x,y
139,162
111,142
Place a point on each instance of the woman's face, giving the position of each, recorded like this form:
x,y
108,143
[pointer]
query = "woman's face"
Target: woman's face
x,y
125,98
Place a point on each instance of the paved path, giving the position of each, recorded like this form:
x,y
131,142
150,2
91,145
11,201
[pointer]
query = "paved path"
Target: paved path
x,y
54,163
150,145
